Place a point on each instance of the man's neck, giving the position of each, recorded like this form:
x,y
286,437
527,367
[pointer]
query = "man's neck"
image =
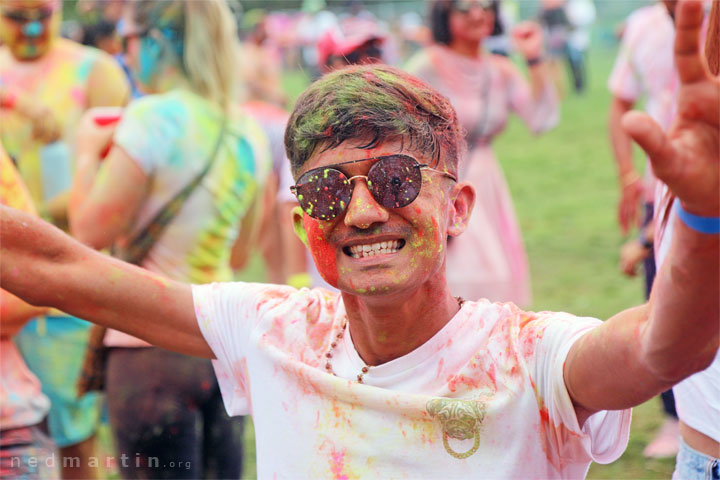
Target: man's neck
x,y
385,328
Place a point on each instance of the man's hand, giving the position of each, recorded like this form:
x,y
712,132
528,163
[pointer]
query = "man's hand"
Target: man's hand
x,y
94,137
45,127
688,156
631,254
632,191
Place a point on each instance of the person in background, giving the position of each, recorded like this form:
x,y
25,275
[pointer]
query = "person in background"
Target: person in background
x,y
270,240
644,69
489,259
23,406
103,28
260,64
186,133
315,20
57,80
260,67
581,16
103,35
359,45
556,26
499,41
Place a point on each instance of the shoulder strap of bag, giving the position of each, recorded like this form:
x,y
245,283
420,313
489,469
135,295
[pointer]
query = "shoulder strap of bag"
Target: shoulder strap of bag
x,y
144,241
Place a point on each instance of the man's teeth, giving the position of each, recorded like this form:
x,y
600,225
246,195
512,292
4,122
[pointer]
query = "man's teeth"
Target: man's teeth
x,y
364,251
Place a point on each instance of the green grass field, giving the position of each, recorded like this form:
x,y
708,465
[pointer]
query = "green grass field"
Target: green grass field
x,y
565,192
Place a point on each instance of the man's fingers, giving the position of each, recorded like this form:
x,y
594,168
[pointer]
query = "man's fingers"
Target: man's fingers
x,y
688,22
651,138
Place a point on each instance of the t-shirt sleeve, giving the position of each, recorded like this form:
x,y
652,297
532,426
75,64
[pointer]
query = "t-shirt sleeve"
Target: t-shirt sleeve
x,y
604,436
148,131
227,313
624,82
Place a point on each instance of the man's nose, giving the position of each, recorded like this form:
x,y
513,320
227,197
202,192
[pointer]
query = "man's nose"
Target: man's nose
x,y
363,210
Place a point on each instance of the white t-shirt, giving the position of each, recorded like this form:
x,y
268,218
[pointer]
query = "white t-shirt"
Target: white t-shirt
x,y
697,398
490,383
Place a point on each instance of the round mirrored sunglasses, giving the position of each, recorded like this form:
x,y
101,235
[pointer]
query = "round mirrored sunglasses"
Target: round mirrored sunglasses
x,y
394,181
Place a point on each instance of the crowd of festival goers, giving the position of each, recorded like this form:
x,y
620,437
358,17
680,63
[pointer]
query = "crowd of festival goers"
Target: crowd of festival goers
x,y
179,109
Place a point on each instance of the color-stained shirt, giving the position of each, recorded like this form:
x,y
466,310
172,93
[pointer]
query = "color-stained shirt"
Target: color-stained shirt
x,y
485,397
22,402
171,137
58,81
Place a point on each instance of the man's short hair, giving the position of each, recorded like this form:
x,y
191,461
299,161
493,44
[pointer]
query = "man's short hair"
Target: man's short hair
x,y
373,103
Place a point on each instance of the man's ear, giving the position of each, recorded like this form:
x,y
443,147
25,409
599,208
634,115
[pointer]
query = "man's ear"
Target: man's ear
x,y
297,219
463,200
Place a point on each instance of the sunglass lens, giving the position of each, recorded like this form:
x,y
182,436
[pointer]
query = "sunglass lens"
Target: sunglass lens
x,y
395,181
323,193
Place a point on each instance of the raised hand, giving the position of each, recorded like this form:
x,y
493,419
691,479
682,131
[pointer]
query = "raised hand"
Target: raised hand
x,y
528,39
687,157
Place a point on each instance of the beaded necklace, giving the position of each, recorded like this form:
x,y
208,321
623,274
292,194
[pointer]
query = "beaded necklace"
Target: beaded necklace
x,y
366,368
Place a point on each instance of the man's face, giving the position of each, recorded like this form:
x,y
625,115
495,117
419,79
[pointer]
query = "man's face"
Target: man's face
x,y
373,250
29,27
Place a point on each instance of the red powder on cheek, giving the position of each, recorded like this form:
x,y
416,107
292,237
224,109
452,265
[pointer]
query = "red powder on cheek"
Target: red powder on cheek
x,y
436,230
323,253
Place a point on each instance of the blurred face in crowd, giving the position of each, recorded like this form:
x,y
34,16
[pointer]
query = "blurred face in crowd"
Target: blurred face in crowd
x,y
29,27
471,20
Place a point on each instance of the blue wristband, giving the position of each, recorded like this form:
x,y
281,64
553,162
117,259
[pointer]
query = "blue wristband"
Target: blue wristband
x,y
709,225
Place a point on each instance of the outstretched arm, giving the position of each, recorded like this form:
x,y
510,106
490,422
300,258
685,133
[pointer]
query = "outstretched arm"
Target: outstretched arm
x,y
45,267
642,351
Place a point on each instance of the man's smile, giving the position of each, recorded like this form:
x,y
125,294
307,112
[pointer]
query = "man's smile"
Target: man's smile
x,y
366,250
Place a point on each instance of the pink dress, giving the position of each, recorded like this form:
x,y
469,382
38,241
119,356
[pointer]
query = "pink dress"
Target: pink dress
x,y
489,259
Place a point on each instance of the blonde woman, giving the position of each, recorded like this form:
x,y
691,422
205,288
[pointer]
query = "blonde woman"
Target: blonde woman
x,y
165,408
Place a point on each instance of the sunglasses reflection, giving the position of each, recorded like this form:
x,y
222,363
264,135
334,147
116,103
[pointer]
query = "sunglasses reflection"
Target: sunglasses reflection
x,y
394,181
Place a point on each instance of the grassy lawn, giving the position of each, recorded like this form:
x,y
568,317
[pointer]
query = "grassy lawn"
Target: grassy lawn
x,y
565,191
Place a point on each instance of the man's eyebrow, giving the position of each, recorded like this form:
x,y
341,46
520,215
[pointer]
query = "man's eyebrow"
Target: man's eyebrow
x,y
380,157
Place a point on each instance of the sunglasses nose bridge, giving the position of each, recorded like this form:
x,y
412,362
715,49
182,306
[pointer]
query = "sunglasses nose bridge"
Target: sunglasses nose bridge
x,y
363,210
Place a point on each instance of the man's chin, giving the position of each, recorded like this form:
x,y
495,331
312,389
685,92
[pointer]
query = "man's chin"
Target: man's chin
x,y
375,283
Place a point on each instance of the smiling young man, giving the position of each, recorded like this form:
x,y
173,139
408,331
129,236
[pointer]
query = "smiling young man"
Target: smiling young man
x,y
395,376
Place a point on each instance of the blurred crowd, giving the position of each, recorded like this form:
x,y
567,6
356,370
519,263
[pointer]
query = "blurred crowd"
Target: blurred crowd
x,y
154,131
